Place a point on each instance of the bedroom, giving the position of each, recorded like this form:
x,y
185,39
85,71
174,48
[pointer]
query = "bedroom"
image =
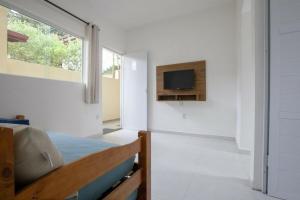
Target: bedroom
x,y
211,144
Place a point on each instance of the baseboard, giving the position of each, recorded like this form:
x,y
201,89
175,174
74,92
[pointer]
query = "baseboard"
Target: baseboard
x,y
242,150
194,134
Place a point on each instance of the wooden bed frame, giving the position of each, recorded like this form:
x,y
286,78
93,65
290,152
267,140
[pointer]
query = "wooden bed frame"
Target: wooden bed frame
x,y
69,178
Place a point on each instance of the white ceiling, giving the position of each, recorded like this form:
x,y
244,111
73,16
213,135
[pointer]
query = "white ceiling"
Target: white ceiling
x,y
133,13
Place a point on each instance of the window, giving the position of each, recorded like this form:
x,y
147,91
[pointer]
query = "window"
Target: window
x,y
39,50
111,64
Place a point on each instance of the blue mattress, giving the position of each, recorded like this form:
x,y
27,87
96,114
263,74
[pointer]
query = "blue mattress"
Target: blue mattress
x,y
74,148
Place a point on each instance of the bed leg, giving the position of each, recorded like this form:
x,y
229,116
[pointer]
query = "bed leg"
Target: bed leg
x,y
7,182
144,192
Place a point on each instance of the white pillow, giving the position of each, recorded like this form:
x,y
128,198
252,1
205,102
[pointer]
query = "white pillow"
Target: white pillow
x,y
35,155
15,127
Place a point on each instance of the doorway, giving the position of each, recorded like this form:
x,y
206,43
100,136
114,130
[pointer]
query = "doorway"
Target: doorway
x,y
111,91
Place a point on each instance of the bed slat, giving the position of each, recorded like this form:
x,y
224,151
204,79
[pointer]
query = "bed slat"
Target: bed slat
x,y
79,173
123,191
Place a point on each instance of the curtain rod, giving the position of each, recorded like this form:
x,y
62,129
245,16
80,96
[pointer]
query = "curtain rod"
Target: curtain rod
x,y
60,8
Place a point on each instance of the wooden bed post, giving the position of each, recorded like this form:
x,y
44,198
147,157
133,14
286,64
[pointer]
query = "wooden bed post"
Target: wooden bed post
x,y
145,165
7,182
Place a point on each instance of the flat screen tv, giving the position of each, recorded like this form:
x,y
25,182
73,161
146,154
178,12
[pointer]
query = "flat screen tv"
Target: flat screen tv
x,y
179,80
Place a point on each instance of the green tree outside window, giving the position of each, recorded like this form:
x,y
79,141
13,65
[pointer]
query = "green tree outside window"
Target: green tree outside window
x,y
46,45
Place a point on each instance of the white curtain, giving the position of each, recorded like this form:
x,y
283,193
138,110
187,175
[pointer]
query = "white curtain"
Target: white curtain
x,y
92,64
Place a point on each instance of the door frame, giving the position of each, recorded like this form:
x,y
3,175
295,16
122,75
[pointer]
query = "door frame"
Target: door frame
x,y
261,134
267,100
122,91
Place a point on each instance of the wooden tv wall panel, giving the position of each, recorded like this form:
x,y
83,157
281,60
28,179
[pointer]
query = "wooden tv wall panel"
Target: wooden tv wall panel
x,y
196,94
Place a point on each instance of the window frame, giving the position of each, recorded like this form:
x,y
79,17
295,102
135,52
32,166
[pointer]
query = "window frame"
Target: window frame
x,y
47,22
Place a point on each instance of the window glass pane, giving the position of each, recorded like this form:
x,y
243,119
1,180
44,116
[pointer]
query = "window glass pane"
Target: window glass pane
x,y
39,50
111,64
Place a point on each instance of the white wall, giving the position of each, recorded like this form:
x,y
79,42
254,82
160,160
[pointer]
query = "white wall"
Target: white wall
x,y
208,35
50,105
57,105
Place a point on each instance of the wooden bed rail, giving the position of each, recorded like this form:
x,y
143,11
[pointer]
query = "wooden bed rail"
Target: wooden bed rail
x,y
71,177
145,165
7,182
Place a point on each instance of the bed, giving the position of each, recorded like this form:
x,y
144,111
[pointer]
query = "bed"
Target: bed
x,y
93,169
74,148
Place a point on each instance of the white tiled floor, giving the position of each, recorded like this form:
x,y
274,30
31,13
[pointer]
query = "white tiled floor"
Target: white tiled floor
x,y
195,168
112,124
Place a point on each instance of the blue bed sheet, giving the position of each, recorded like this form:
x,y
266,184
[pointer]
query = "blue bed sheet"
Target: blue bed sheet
x,y
74,148
14,121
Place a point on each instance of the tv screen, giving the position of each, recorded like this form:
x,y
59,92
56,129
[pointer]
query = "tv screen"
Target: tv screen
x,y
179,80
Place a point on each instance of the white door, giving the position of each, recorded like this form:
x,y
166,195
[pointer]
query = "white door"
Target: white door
x,y
134,95
284,130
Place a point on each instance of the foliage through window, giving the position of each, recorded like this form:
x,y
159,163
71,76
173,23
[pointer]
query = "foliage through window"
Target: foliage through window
x,y
42,44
